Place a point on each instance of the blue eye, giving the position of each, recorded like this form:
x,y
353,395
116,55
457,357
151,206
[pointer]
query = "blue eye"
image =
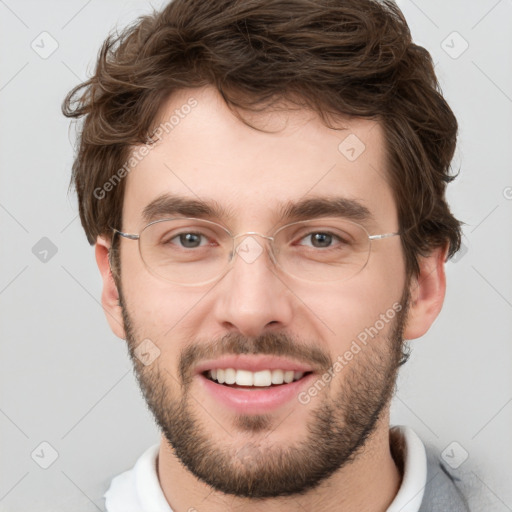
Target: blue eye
x,y
320,240
189,240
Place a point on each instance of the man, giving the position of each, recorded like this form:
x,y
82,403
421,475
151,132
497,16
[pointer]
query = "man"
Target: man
x,y
265,185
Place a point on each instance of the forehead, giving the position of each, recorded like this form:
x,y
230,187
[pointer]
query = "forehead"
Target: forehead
x,y
206,153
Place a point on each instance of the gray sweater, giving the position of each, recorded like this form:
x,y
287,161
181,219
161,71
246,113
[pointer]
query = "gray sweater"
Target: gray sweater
x,y
442,492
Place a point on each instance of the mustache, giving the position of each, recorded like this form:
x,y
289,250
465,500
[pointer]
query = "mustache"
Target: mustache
x,y
273,344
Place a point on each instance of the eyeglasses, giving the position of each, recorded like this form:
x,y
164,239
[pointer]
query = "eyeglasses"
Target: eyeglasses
x,y
190,251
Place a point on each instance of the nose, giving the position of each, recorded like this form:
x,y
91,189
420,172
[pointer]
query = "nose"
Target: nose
x,y
252,297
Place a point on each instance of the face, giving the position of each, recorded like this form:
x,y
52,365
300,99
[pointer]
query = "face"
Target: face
x,y
341,340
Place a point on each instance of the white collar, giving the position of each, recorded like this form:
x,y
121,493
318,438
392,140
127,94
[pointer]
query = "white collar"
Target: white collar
x,y
139,490
414,478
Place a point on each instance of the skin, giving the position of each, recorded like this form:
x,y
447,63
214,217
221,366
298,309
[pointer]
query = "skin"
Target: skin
x,y
213,155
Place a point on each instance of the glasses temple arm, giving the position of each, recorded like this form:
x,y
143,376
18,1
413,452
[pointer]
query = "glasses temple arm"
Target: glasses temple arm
x,y
125,235
385,235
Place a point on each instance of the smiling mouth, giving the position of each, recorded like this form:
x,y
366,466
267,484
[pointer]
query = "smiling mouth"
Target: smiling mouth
x,y
245,379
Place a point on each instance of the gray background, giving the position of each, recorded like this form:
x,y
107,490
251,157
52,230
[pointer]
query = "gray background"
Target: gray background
x,y
66,380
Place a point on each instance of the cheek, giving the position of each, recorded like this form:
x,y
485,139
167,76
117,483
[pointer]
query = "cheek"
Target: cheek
x,y
345,310
160,313
157,311
152,303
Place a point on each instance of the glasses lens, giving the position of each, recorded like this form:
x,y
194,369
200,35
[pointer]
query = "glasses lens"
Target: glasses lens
x,y
195,251
185,251
322,249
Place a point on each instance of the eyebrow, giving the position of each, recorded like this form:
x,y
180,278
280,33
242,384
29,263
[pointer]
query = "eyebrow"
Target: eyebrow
x,y
327,206
167,205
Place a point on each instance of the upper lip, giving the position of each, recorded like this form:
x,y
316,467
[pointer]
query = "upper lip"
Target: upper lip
x,y
253,363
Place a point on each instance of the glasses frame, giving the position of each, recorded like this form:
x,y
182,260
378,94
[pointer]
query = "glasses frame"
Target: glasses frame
x,y
136,236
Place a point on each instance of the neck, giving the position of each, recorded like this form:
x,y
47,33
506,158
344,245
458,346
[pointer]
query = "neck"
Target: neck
x,y
369,483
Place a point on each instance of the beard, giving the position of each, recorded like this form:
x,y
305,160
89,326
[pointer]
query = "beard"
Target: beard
x,y
339,421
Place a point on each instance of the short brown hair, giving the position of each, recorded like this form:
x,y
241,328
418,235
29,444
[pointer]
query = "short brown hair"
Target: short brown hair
x,y
348,57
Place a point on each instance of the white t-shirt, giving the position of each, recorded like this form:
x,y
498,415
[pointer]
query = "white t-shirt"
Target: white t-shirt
x,y
138,490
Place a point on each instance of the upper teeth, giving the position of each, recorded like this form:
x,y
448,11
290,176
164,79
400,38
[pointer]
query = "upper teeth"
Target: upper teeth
x,y
247,378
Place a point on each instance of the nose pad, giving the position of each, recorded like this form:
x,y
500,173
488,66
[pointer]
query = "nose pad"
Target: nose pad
x,y
249,249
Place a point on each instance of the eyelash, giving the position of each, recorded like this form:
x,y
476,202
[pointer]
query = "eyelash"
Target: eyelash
x,y
334,236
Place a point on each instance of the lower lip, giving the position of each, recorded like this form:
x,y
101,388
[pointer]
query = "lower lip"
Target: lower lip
x,y
254,400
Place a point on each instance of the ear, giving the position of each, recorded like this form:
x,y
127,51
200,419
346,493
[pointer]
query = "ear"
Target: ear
x,y
109,295
427,291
